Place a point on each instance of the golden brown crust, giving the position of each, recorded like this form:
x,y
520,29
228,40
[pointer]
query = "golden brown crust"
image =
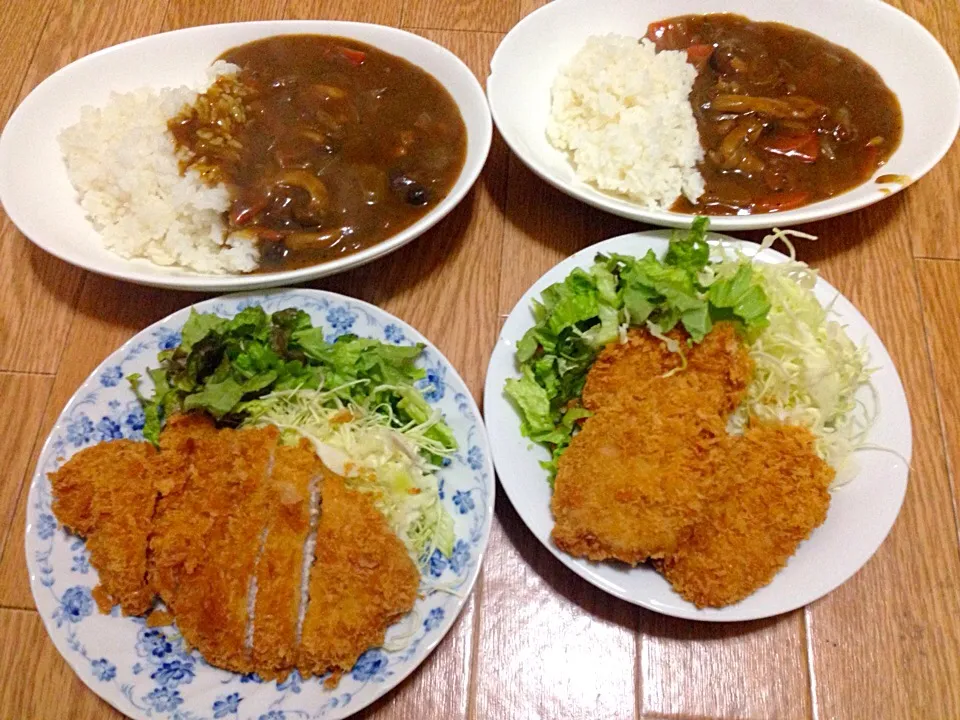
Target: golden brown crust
x,y
198,521
362,581
106,493
775,492
636,476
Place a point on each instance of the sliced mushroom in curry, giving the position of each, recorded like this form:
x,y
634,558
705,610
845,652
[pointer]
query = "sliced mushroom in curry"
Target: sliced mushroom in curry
x,y
327,145
785,117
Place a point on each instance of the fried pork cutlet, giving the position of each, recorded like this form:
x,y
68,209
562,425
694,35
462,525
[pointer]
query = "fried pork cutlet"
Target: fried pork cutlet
x,y
296,474
106,493
220,511
718,365
636,476
216,523
362,581
775,492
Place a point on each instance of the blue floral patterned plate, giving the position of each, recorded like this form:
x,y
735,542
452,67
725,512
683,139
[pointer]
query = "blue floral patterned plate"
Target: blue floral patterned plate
x,y
146,672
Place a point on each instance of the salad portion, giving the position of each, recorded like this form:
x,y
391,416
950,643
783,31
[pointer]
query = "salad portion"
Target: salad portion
x,y
806,370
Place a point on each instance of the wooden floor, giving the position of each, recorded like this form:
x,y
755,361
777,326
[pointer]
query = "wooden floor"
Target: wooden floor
x,y
534,640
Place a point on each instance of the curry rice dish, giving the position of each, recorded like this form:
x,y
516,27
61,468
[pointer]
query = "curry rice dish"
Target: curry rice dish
x,y
265,559
298,149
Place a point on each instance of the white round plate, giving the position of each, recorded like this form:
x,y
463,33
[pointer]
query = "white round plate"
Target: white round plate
x,y
145,672
861,512
525,65
36,192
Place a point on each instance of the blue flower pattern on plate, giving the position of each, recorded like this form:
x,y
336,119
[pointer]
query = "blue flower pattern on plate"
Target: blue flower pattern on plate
x,y
160,673
438,563
103,670
273,715
80,564
153,644
75,605
369,665
135,419
394,334
341,320
475,458
433,619
173,672
46,526
463,501
433,385
108,429
80,431
163,699
112,376
226,705
460,556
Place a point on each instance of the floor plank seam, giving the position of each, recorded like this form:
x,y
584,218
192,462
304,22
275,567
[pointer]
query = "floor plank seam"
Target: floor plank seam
x,y
811,668
414,28
26,373
28,471
18,608
931,368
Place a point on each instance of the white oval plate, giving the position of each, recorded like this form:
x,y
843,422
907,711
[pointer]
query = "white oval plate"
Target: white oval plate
x,y
146,673
36,192
861,511
525,65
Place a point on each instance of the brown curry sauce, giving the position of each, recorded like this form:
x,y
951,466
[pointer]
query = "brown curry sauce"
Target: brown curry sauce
x,y
327,145
785,117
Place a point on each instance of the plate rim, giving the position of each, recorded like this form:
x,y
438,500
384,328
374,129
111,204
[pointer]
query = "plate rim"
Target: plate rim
x,y
60,643
583,567
137,271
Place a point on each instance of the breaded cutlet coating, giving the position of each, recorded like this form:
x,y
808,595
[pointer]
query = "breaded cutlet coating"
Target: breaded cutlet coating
x,y
774,492
638,473
180,520
719,365
224,498
362,580
106,493
635,477
279,570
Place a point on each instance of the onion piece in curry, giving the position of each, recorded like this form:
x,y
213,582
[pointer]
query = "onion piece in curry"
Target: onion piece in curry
x,y
785,117
326,145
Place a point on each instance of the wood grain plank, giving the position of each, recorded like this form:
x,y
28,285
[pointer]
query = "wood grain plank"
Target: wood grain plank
x,y
941,307
27,393
903,603
735,670
38,684
21,24
188,13
37,291
109,312
491,15
384,12
925,207
549,645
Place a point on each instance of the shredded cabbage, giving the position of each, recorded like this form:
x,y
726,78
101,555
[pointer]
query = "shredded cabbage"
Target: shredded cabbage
x,y
365,445
807,370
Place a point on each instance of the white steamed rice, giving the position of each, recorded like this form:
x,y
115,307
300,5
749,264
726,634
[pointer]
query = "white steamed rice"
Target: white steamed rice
x,y
121,160
622,112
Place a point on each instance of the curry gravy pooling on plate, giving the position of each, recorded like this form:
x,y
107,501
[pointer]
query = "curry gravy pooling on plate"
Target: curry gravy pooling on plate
x,y
327,145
